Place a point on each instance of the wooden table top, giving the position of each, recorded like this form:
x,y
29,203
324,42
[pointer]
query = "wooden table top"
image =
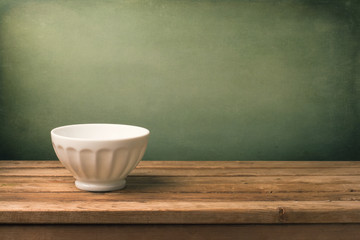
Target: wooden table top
x,y
186,192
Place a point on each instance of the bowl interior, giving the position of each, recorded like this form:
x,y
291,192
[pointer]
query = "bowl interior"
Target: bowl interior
x,y
100,131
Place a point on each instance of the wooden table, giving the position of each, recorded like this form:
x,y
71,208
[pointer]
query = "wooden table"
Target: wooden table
x,y
185,200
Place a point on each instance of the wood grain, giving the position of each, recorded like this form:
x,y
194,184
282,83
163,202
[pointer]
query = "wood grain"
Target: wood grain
x,y
180,232
187,187
173,197
198,172
165,212
175,192
199,164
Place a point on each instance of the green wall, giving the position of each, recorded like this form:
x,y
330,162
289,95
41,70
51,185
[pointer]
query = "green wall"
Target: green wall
x,y
212,80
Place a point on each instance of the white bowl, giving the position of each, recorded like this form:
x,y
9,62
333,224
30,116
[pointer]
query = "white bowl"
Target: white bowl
x,y
100,156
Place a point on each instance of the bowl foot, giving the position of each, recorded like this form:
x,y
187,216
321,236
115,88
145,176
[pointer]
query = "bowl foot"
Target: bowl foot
x,y
100,187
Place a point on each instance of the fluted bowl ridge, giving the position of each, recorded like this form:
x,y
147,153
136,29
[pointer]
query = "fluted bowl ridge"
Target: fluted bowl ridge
x,y
100,156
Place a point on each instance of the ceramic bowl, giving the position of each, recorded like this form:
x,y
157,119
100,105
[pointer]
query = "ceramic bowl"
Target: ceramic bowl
x,y
100,156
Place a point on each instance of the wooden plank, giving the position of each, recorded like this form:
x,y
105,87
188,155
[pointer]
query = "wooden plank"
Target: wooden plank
x,y
180,232
30,164
197,172
248,164
28,172
187,187
195,184
198,180
249,172
181,193
262,212
173,197
199,164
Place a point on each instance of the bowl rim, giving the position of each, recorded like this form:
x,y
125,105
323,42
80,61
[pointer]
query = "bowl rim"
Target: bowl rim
x,y
54,134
